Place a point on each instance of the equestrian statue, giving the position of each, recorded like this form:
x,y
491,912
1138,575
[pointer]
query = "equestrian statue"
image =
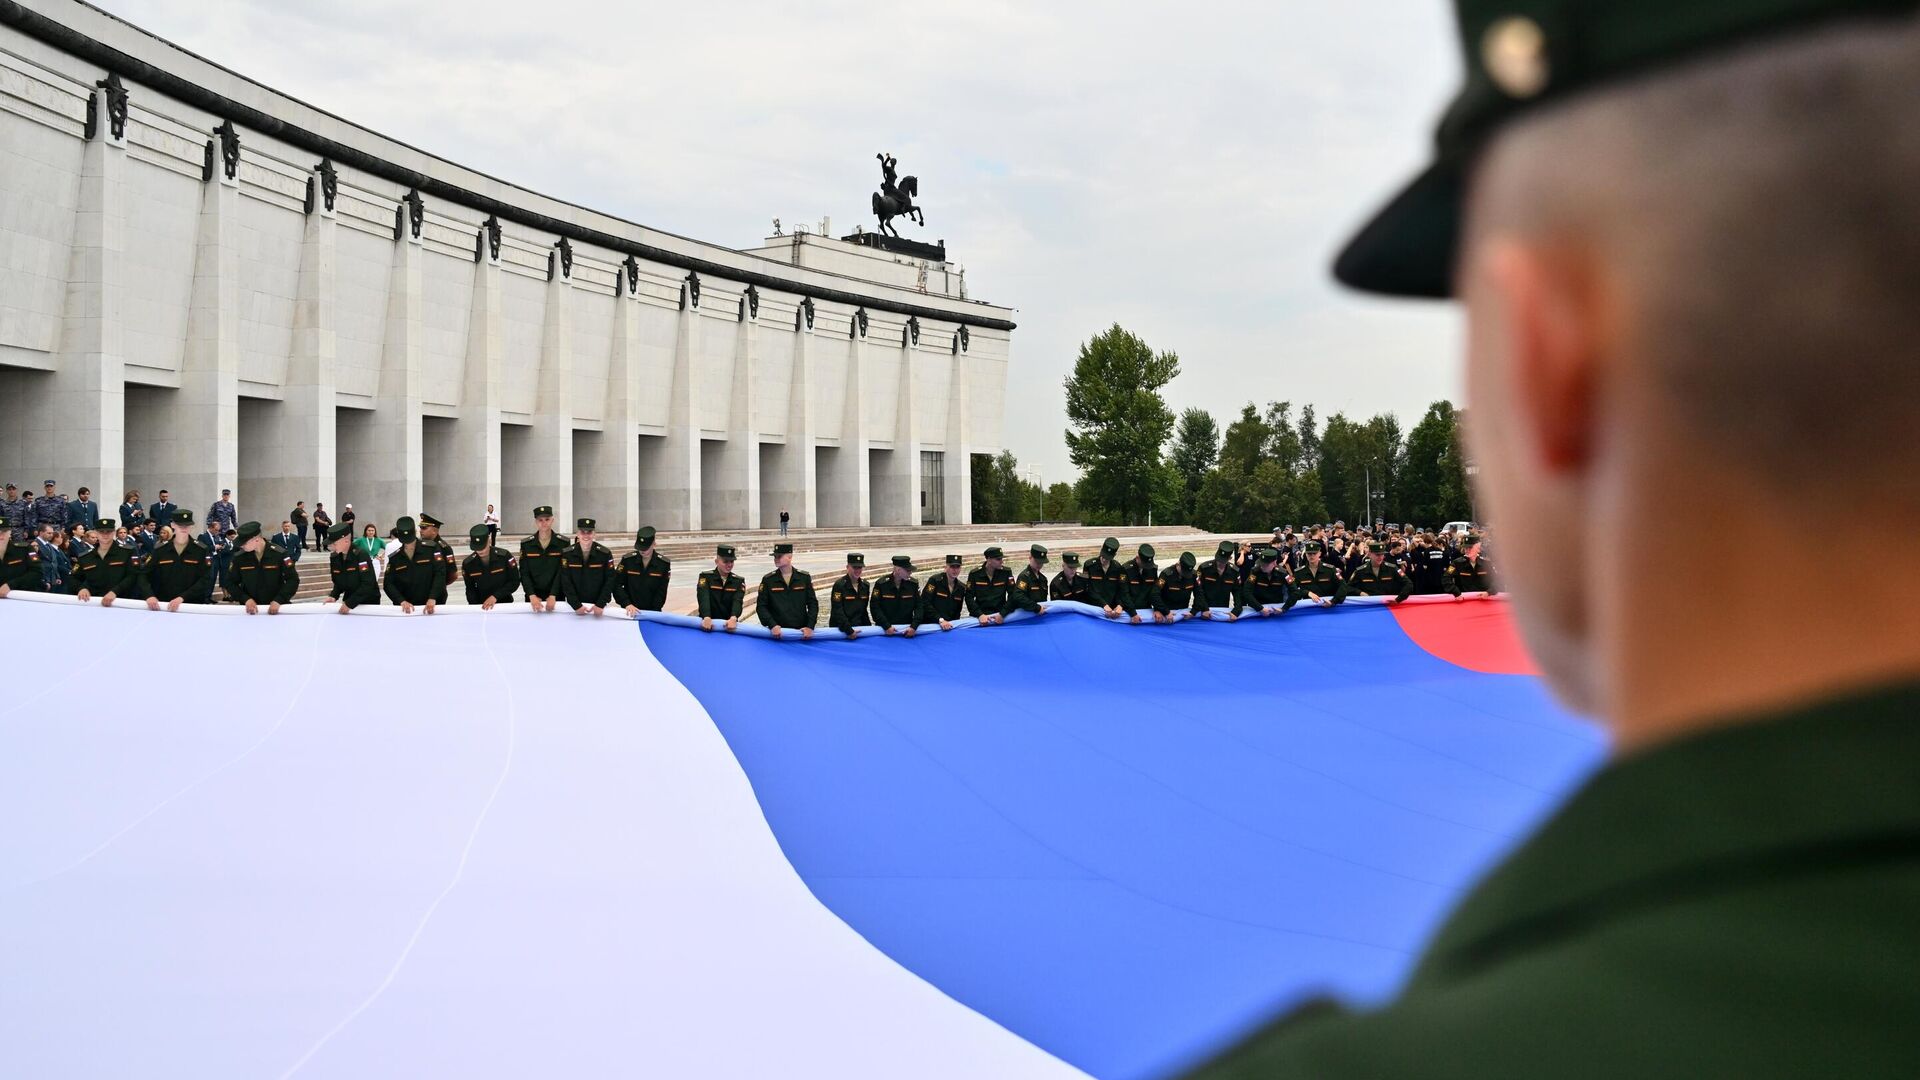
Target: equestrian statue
x,y
895,199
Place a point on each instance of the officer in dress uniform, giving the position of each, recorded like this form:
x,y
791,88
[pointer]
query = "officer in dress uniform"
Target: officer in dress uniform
x,y
1219,585
1470,572
1314,580
1142,589
1269,583
720,593
640,581
1032,581
19,559
1069,583
489,573
588,570
540,557
1377,577
1107,580
260,573
786,599
991,595
416,574
1178,588
179,570
943,598
350,571
430,537
896,598
851,595
107,570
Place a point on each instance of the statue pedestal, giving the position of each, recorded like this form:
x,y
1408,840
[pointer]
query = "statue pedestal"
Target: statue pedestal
x,y
912,248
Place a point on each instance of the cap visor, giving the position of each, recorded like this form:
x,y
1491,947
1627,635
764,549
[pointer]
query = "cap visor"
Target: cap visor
x,y
1407,249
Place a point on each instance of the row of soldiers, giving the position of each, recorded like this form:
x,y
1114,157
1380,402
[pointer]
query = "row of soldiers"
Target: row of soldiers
x,y
1134,590
179,570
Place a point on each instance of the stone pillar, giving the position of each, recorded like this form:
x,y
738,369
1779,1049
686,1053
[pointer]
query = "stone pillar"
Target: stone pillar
x,y
204,417
898,488
542,474
790,481
732,499
469,471
380,470
610,465
957,460
845,488
670,495
304,449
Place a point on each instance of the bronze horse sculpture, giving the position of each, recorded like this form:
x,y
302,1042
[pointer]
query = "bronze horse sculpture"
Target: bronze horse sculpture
x,y
895,199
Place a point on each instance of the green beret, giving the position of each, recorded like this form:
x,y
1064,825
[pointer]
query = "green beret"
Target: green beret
x,y
1038,551
1110,546
477,536
586,524
1187,560
247,531
428,519
855,558
1071,558
1146,552
643,538
182,516
339,530
1226,548
994,553
783,549
724,551
402,528
542,511
904,562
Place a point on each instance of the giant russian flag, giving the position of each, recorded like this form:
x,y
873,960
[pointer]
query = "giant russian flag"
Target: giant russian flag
x,y
501,844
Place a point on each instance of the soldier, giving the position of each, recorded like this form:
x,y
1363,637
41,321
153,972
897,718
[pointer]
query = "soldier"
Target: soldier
x,y
109,570
1429,566
1178,586
18,509
51,509
786,599
261,573
722,594
540,557
19,559
1107,580
1220,584
179,570
991,594
1142,590
350,569
588,570
1314,580
1032,581
1377,577
416,574
1266,588
489,573
896,598
430,527
640,582
1069,583
1469,572
944,596
223,513
851,595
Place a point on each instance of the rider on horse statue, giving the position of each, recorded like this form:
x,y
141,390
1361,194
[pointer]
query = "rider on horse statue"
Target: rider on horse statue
x,y
895,197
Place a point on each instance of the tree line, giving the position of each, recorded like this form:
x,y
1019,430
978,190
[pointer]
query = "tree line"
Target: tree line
x,y
1271,466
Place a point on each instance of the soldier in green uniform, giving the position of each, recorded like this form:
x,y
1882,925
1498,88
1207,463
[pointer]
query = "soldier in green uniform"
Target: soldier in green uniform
x,y
991,595
720,593
1142,589
1107,581
1315,580
786,598
353,581
1070,583
1268,585
1220,585
1672,227
108,570
19,559
416,575
1178,589
850,596
587,570
640,581
896,598
489,573
1032,581
1469,572
180,570
943,598
540,557
1377,577
260,572
430,527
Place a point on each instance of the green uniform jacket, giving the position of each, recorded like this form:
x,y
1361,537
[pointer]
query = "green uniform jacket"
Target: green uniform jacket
x,y
354,582
790,604
1384,580
1142,591
185,575
540,567
449,558
117,573
992,592
1470,575
492,574
1032,585
642,583
417,578
1264,587
942,597
1106,585
1178,590
720,598
1220,587
588,576
266,578
1070,588
22,566
895,603
1324,583
1739,903
848,608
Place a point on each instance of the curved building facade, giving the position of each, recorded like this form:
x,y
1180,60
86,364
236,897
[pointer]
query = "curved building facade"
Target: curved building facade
x,y
206,284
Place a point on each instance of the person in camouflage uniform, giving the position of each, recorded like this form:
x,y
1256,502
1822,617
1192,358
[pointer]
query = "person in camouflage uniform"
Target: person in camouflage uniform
x,y
719,592
896,598
489,573
51,509
851,595
786,599
18,509
261,573
640,581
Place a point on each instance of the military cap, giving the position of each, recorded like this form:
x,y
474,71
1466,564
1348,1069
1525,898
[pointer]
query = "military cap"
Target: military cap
x,y
643,538
223,491
1071,558
953,560
1472,539
904,562
477,536
182,516
855,558
1038,551
1376,547
1523,54
339,530
1146,551
1110,546
994,553
1187,560
585,524
107,524
247,531
428,519
724,551
402,528
783,549
1267,554
1314,546
1226,548
542,511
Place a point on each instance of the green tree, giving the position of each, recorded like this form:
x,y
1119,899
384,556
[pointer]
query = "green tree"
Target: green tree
x,y
1356,457
1120,423
1424,479
997,494
1196,445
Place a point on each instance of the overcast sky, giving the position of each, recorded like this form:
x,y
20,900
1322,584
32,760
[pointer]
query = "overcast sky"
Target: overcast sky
x,y
1183,170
